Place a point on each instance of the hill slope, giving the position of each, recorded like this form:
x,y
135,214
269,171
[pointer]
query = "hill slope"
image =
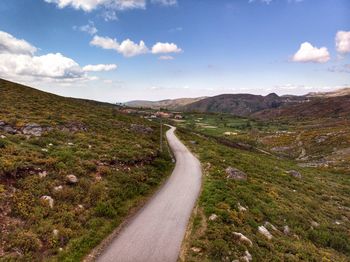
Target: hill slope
x,y
70,171
338,106
172,104
239,104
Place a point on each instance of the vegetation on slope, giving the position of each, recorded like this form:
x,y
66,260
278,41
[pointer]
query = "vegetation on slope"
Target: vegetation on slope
x,y
70,171
308,216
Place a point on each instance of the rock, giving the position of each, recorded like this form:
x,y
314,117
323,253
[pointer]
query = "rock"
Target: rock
x,y
247,256
90,146
233,173
262,230
213,217
55,232
141,129
196,249
286,230
7,128
70,144
58,188
44,150
193,142
2,136
32,129
42,174
73,127
50,144
242,238
49,200
294,173
72,179
270,226
241,208
315,224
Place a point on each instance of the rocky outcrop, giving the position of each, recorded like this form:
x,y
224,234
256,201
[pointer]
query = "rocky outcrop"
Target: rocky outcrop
x,y
7,128
32,129
141,129
242,238
234,173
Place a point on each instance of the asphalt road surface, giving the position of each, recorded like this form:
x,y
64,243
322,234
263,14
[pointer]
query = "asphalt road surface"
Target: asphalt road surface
x,y
157,230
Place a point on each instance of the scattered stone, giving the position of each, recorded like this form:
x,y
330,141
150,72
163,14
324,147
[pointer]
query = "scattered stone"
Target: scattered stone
x,y
98,177
80,206
32,129
42,174
294,173
49,200
70,144
7,128
196,249
234,173
337,222
262,230
314,224
286,230
193,142
2,136
58,188
141,129
321,139
55,232
247,256
73,127
90,146
44,150
269,225
50,144
241,208
72,179
242,238
213,217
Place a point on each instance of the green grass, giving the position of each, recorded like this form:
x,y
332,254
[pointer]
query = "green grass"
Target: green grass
x,y
271,195
117,168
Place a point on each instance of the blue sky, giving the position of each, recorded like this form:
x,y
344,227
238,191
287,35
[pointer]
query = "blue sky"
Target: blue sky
x,y
189,48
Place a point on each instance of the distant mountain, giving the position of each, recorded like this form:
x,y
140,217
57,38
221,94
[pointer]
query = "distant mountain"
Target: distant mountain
x,y
172,104
339,92
241,104
316,107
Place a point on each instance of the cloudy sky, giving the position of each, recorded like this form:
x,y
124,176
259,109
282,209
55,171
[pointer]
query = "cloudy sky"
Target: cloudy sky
x,y
120,50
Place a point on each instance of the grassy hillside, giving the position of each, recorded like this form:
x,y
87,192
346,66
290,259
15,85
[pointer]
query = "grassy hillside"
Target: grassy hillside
x,y
70,171
307,215
170,104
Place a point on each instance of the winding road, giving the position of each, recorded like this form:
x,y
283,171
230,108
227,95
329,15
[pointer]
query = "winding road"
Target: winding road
x,y
157,230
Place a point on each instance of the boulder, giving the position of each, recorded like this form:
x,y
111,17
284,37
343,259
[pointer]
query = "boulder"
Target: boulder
x,y
286,230
262,230
294,173
242,238
213,217
141,129
7,128
196,249
32,129
234,173
42,174
314,224
247,257
241,208
49,200
72,179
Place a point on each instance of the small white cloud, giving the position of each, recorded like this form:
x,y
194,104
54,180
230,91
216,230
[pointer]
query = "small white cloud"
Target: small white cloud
x,y
110,15
309,53
12,45
89,28
99,67
342,42
166,57
89,5
165,2
163,48
176,29
105,42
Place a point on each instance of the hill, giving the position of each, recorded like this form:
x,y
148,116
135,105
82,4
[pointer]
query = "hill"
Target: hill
x,y
319,107
70,172
339,92
240,104
172,104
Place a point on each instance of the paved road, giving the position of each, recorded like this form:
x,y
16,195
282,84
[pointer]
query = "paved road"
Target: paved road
x,y
156,232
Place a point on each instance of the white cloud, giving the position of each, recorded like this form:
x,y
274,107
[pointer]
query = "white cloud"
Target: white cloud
x,y
342,41
127,48
166,57
99,67
110,15
12,45
89,5
340,69
163,48
165,2
19,63
88,28
309,53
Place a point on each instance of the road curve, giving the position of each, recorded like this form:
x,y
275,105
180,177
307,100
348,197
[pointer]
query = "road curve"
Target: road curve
x,y
157,230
